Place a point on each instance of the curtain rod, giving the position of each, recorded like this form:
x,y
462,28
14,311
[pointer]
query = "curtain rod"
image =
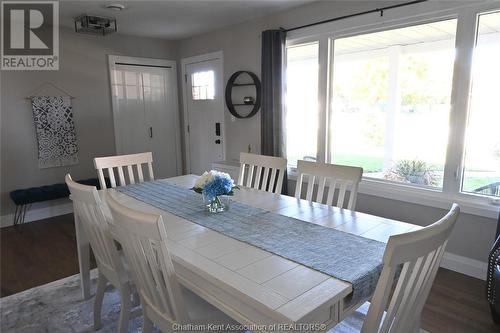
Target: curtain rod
x,y
140,65
376,10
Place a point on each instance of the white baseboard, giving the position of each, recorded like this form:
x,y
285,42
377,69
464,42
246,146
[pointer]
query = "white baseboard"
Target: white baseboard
x,y
464,265
40,211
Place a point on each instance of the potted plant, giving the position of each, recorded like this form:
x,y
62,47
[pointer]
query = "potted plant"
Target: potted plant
x,y
412,171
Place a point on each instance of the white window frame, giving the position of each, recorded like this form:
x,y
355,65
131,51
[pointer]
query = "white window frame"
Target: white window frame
x,y
467,16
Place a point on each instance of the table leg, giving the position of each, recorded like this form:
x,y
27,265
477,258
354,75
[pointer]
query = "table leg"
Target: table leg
x,y
82,244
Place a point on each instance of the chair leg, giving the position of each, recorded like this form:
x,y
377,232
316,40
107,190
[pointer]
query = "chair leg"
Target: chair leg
x,y
147,326
416,325
495,315
99,296
125,308
136,301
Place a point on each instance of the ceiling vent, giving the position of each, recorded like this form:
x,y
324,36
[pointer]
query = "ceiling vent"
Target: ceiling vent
x,y
95,25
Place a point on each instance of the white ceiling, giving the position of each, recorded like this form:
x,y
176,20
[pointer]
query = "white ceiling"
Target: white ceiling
x,y
430,32
175,19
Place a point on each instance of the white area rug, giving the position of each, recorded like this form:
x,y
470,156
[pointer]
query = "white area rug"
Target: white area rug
x,y
58,307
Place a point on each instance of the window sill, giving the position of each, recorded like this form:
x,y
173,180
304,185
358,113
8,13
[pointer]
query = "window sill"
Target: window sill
x,y
469,204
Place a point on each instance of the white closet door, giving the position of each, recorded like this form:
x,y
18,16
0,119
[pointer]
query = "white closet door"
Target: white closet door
x,y
162,120
129,112
146,115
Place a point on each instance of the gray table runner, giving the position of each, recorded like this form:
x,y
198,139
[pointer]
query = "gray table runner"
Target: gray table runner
x,y
344,256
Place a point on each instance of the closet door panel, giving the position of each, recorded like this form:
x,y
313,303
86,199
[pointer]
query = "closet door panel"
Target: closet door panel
x,y
127,89
161,120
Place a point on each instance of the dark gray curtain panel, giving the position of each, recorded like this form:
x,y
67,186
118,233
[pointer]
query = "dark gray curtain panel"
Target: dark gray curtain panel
x,y
272,109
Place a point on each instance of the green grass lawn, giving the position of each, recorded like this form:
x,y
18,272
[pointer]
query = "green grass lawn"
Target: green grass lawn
x,y
368,163
472,183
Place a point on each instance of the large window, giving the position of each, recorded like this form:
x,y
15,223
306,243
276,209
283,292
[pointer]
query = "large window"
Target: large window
x,y
482,158
391,102
414,104
302,102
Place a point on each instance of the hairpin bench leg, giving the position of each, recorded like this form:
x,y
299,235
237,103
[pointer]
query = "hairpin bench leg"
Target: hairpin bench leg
x,y
16,213
24,213
20,214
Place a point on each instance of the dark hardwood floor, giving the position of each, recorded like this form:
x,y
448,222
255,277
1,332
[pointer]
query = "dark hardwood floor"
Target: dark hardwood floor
x,y
36,253
44,251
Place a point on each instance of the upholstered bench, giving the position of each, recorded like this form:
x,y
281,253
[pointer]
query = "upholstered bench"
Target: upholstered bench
x,y
24,197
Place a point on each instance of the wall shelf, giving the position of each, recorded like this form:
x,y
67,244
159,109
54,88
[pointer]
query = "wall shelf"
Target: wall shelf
x,y
243,84
231,83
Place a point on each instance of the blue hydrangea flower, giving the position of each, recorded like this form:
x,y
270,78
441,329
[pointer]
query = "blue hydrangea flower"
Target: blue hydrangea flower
x,y
218,186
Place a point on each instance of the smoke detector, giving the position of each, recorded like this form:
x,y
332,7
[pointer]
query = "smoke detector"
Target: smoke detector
x,y
95,25
115,6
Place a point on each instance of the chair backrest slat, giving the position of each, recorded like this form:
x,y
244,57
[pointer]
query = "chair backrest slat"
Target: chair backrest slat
x,y
257,181
402,281
89,209
321,188
331,192
352,198
150,170
346,177
144,240
139,173
342,192
112,181
130,173
310,187
264,172
300,179
266,183
241,175
250,175
120,162
419,253
272,181
121,176
102,180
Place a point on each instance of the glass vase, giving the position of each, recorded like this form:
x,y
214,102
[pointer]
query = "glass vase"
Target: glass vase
x,y
218,205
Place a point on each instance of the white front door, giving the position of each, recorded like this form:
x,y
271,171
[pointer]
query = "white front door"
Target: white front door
x,y
146,114
205,114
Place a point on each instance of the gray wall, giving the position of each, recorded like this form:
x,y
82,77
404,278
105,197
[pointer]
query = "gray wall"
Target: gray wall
x,y
472,236
84,74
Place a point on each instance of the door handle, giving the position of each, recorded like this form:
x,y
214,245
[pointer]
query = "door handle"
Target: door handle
x,y
150,131
217,129
217,142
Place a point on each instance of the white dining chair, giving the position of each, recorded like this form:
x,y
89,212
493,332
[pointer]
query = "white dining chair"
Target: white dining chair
x,y
110,262
338,178
415,256
262,172
123,163
164,302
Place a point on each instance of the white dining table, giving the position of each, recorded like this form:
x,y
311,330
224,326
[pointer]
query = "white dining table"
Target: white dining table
x,y
253,286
